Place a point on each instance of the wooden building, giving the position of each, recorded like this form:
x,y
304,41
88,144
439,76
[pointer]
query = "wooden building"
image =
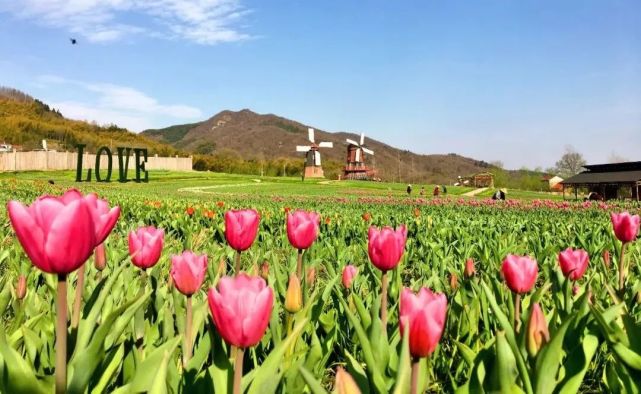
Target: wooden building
x,y
483,179
608,181
552,183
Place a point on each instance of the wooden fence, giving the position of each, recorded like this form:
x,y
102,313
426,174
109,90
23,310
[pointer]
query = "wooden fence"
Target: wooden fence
x,y
52,160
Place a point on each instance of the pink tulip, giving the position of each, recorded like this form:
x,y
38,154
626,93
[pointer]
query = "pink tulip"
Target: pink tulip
x,y
56,233
573,263
520,273
241,308
241,227
349,273
425,314
626,226
145,246
386,246
302,228
188,271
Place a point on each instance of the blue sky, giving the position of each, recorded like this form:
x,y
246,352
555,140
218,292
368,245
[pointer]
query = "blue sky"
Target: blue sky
x,y
515,81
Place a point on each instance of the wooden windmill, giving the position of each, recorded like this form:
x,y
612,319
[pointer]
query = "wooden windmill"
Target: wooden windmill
x,y
313,168
355,167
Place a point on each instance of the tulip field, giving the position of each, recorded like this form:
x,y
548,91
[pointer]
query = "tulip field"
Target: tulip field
x,y
135,288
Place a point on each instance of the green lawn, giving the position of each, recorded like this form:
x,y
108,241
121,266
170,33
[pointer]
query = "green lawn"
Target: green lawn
x,y
523,195
206,185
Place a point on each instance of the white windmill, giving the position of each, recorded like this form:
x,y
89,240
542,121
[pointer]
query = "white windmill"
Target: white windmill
x,y
313,167
355,167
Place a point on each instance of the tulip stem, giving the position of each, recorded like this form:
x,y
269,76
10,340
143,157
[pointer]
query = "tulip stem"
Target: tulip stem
x,y
384,301
517,312
61,335
416,369
238,369
622,269
188,319
237,266
80,284
299,264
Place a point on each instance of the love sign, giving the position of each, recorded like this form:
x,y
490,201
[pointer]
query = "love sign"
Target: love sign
x,y
140,155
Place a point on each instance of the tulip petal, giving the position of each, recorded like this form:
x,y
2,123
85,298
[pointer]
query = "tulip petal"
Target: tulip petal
x,y
29,234
70,240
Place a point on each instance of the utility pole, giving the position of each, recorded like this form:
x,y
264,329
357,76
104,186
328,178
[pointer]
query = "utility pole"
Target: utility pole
x,y
398,157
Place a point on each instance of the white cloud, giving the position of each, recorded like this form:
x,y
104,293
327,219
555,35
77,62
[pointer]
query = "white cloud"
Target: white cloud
x,y
206,22
115,104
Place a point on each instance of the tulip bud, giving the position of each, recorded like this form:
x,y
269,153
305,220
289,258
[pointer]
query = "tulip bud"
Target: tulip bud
x,y
575,290
345,384
311,276
222,267
453,281
294,296
170,283
606,258
99,257
470,270
349,272
367,216
537,331
264,270
417,212
21,287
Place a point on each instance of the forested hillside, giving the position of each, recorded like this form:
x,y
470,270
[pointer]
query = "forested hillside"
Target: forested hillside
x,y
25,122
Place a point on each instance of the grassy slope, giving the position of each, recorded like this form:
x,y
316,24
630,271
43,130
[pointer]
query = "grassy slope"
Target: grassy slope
x,y
165,183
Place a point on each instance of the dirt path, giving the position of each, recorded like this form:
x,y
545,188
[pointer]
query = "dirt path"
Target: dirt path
x,y
204,189
475,192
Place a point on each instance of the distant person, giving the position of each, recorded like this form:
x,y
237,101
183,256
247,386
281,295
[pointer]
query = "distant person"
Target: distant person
x,y
409,190
499,195
444,189
437,191
422,192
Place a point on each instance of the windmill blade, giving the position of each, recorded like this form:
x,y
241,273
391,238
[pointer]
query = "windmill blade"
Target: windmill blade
x,y
302,148
310,135
351,142
317,160
368,151
358,156
362,138
326,145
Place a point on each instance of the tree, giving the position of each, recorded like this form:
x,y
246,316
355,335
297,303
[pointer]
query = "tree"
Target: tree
x,y
616,158
570,163
497,164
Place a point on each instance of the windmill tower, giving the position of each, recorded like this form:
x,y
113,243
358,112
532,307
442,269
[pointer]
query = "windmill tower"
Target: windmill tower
x,y
313,167
355,167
